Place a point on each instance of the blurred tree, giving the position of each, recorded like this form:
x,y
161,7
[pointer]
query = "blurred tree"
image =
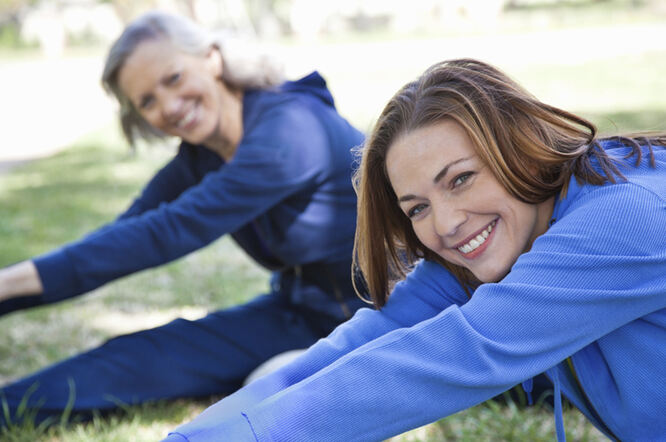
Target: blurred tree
x,y
128,9
268,17
11,8
189,7
10,21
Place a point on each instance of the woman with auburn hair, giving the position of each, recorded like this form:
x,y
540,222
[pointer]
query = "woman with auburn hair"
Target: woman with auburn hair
x,y
264,160
523,244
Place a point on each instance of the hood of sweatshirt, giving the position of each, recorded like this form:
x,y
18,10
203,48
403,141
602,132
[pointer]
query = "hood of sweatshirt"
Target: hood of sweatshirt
x,y
312,84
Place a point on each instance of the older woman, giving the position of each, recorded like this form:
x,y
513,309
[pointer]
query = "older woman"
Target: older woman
x,y
529,245
265,161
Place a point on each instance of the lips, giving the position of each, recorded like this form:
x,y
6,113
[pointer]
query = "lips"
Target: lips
x,y
475,243
188,120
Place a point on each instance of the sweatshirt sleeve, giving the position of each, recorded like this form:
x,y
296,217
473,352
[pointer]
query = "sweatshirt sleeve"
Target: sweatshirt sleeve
x,y
406,307
167,184
278,156
587,276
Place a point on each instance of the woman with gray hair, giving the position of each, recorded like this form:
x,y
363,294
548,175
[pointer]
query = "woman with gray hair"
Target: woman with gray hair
x,y
264,160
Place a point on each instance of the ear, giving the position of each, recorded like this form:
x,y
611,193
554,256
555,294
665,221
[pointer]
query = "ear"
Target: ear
x,y
214,62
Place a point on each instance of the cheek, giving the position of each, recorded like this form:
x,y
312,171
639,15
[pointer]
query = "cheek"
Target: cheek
x,y
210,105
207,90
417,228
425,235
153,118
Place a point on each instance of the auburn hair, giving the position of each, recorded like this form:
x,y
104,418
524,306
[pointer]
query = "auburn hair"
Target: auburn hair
x,y
531,148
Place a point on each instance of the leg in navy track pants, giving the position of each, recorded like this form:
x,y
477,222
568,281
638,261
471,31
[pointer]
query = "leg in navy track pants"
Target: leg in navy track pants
x,y
183,358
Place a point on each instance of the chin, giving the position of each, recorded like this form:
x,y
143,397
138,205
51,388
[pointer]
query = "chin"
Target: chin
x,y
490,276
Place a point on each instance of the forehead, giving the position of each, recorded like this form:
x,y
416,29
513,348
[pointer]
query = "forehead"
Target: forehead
x,y
423,152
443,136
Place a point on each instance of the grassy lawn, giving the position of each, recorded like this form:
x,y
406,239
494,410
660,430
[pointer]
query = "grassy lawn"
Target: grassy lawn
x,y
55,200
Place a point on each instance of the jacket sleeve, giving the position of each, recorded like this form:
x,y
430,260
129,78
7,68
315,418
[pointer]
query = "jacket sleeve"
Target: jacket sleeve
x,y
439,289
167,184
276,158
587,276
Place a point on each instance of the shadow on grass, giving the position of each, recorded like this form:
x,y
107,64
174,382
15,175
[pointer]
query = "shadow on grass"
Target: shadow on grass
x,y
60,198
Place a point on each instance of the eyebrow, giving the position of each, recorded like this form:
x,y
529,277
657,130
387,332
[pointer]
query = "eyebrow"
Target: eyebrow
x,y
441,174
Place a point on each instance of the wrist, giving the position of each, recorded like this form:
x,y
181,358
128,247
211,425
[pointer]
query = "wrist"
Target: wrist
x,y
20,279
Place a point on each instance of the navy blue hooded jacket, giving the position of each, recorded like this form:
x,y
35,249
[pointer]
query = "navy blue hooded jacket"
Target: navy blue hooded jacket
x,y
285,197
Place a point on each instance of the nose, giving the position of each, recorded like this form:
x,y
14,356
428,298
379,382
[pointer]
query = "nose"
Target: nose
x,y
169,106
447,218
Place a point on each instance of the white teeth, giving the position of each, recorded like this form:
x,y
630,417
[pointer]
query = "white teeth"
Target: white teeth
x,y
187,119
478,240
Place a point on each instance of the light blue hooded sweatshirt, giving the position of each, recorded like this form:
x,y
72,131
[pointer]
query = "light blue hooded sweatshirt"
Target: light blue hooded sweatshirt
x,y
592,288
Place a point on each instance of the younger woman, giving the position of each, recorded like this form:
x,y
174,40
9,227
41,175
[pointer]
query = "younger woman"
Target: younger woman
x,y
529,245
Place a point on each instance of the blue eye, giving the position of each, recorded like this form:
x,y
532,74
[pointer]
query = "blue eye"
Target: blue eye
x,y
460,179
411,213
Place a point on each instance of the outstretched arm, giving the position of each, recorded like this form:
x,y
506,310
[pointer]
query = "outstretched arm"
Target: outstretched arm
x,y
269,166
405,308
549,307
21,285
19,279
185,170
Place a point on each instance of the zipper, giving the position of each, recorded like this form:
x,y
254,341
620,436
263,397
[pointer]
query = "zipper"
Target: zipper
x,y
588,403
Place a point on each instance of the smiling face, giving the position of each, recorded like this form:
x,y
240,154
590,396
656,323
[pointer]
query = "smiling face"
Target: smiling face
x,y
182,94
456,206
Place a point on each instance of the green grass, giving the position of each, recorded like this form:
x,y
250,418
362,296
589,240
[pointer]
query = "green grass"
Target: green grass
x,y
618,93
492,421
52,201
55,200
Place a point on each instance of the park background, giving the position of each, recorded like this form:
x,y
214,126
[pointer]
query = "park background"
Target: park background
x,y
65,170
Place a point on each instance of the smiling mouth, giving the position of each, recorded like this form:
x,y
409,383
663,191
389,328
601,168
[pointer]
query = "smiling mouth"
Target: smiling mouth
x,y
187,119
478,240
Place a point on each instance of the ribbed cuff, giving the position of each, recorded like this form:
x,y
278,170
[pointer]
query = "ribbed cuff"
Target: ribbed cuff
x,y
236,428
175,437
19,303
58,276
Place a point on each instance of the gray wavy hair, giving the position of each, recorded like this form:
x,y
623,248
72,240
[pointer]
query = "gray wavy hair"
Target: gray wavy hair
x,y
243,68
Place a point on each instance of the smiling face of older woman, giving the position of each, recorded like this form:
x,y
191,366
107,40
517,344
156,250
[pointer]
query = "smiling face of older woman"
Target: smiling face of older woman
x,y
183,95
456,206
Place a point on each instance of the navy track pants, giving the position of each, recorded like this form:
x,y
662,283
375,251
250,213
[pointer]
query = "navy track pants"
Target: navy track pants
x,y
183,358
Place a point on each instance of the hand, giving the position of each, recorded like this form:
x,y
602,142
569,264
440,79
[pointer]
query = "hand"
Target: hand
x,y
20,279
